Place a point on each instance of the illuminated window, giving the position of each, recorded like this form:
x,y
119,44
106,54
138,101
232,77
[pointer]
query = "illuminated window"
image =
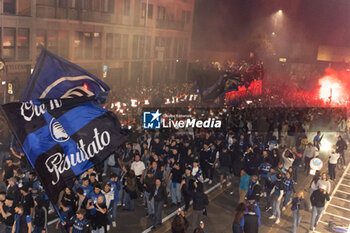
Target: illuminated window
x,y
9,43
96,42
78,45
88,45
23,43
52,41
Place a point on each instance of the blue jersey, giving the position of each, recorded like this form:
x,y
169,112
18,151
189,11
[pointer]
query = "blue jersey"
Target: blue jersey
x,y
78,225
94,198
87,190
288,184
115,187
265,170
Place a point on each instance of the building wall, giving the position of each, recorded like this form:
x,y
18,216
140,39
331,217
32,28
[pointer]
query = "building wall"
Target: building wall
x,y
139,44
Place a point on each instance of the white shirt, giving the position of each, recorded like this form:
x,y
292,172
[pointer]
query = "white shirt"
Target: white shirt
x,y
333,158
138,167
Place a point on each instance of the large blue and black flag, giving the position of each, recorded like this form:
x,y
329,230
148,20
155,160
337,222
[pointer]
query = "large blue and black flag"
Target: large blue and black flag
x,y
56,78
62,138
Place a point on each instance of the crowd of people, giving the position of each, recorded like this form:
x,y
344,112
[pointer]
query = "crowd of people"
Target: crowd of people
x,y
168,167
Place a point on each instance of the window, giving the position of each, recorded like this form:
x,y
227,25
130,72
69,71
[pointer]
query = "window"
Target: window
x,y
96,42
63,3
118,45
125,45
78,45
161,13
96,4
186,16
138,47
126,7
175,47
150,11
10,7
113,46
148,47
185,48
167,47
109,46
72,4
23,43
108,6
135,46
40,41
87,4
88,45
47,3
63,44
9,43
52,41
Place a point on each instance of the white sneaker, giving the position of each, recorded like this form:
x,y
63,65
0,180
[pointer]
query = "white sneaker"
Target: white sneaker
x,y
114,224
108,227
272,217
264,194
231,193
228,184
277,221
284,208
104,174
206,180
210,181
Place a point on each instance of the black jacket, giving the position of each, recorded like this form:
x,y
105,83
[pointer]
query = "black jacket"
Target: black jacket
x,y
40,218
318,198
160,196
299,204
200,200
251,223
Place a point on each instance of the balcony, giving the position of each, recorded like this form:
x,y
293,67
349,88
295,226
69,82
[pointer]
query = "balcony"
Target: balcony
x,y
74,14
172,25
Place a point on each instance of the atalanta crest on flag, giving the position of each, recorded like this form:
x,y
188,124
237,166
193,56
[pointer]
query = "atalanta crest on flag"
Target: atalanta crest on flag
x,y
63,138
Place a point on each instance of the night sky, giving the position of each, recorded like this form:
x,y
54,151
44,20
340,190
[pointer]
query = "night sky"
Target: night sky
x,y
227,24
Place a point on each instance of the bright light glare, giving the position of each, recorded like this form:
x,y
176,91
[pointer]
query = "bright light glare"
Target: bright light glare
x,y
326,145
280,12
330,89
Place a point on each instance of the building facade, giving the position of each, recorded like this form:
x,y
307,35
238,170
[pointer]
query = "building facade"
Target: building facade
x,y
140,42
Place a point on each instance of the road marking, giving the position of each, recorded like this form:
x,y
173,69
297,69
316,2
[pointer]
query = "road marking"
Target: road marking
x,y
339,207
345,185
52,221
332,196
342,199
182,207
337,216
341,191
